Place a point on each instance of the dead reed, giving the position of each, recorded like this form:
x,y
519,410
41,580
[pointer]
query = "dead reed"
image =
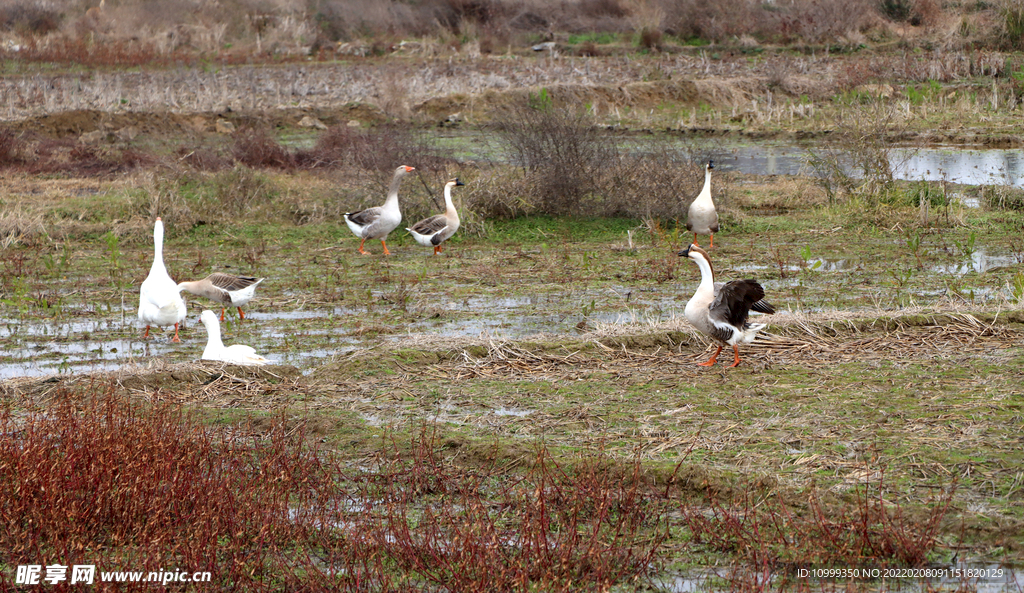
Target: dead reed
x,y
871,530
90,477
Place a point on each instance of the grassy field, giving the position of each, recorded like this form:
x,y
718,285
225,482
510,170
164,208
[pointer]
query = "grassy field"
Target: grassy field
x,y
885,393
525,411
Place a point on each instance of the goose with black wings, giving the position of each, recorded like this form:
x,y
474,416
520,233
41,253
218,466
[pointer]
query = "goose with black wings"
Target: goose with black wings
x,y
721,309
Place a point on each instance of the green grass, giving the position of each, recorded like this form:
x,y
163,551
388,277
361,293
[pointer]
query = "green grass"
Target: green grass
x,y
595,37
926,400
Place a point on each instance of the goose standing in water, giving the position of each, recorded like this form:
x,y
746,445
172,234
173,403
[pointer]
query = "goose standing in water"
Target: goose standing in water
x,y
377,222
720,309
437,229
160,301
231,290
702,218
216,350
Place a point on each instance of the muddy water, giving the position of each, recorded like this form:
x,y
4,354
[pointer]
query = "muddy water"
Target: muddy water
x,y
306,337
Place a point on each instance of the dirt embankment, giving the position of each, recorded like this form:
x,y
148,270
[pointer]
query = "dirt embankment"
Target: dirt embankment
x,y
425,91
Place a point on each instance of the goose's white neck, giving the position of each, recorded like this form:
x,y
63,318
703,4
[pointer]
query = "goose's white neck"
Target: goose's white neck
x,y
449,206
705,193
158,246
214,345
396,181
707,274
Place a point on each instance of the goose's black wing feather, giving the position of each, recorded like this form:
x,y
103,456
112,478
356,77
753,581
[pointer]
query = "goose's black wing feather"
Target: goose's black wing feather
x,y
734,300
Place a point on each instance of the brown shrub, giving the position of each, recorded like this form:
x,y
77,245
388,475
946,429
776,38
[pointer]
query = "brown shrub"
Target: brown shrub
x,y
11,147
571,167
95,478
253,147
560,149
203,159
928,13
381,148
26,19
650,38
810,20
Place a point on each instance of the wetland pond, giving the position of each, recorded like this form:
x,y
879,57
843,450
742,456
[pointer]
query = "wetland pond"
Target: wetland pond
x,y
579,286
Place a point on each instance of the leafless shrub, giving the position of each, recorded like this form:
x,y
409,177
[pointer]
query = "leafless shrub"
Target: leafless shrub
x,y
859,159
255,148
502,194
203,159
928,13
28,19
11,148
381,148
655,181
808,20
646,18
560,149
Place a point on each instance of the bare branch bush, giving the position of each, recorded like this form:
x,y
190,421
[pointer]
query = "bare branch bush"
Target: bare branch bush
x,y
860,159
560,150
656,179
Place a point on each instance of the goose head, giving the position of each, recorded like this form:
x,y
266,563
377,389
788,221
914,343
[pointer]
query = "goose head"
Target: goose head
x,y
403,169
694,252
698,255
711,165
209,319
454,182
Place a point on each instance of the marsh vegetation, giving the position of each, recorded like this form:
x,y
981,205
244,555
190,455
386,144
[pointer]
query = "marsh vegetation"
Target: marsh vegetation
x,y
524,411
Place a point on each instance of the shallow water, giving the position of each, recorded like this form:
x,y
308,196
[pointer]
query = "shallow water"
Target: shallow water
x,y
971,166
990,166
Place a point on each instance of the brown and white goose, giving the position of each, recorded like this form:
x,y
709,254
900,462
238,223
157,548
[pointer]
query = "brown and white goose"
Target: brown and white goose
x,y
228,289
437,229
720,309
376,223
702,218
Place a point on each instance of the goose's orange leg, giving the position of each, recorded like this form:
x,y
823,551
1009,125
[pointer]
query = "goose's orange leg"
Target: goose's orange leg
x,y
175,338
240,314
361,250
437,249
736,352
714,358
695,240
386,252
146,335
712,239
222,313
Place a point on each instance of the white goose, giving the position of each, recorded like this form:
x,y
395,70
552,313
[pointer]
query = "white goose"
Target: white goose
x,y
702,218
160,302
216,350
437,229
377,222
231,290
720,309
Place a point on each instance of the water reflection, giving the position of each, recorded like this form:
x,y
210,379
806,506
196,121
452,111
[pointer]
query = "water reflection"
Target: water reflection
x,y
969,167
